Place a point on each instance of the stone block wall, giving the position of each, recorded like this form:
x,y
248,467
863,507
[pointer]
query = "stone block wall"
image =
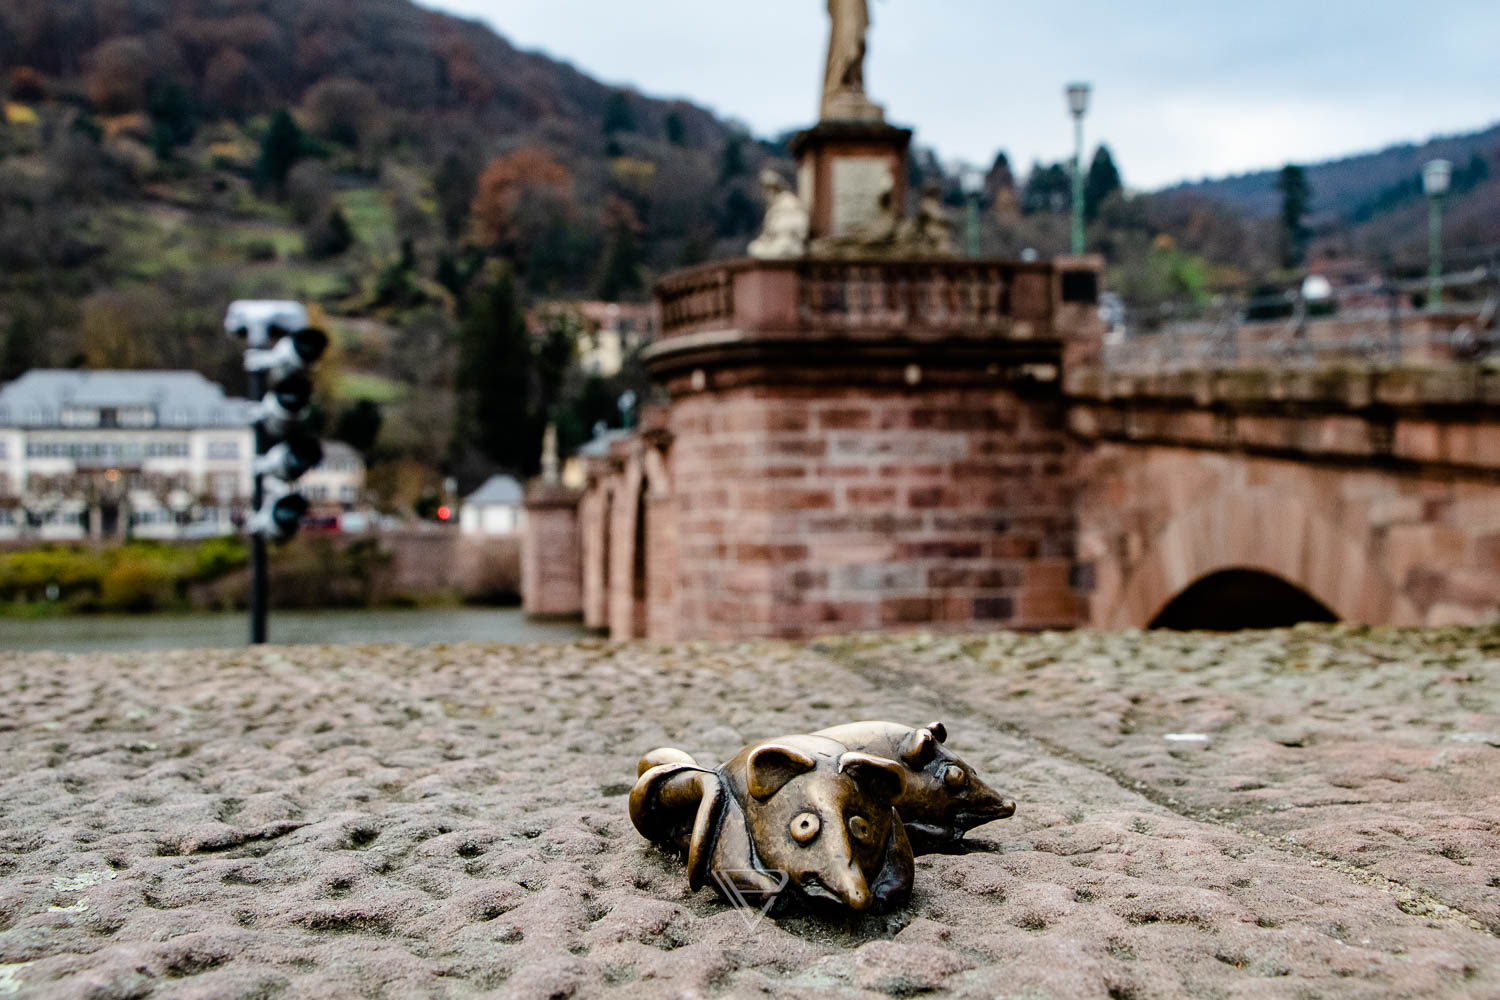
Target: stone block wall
x,y
1375,492
551,555
593,515
1375,546
805,509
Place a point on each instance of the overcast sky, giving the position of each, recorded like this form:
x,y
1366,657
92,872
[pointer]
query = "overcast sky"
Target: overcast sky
x,y
1183,90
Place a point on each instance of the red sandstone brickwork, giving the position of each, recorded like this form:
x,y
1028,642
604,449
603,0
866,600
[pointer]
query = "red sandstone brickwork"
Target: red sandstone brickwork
x,y
802,511
551,558
1376,491
622,568
593,513
661,568
1376,546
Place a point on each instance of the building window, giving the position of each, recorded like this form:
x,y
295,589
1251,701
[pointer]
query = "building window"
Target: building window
x,y
224,449
139,416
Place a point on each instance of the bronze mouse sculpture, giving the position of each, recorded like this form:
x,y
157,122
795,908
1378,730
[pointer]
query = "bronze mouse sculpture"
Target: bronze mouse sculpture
x,y
800,812
943,798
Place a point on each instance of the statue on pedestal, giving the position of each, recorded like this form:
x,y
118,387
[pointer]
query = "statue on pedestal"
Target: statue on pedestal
x,y
844,79
931,235
784,233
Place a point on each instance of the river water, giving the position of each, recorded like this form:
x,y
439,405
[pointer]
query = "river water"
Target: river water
x,y
103,633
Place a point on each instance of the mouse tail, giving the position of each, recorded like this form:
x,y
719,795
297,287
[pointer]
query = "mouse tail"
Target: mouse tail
x,y
663,755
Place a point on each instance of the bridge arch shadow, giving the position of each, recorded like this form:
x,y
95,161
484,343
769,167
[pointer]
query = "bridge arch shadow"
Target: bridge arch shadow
x,y
1230,600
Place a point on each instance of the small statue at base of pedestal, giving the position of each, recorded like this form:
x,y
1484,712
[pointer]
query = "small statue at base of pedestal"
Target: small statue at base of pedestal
x,y
783,236
890,234
931,234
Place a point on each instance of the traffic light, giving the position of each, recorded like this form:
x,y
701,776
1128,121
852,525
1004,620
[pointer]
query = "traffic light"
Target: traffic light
x,y
280,513
281,349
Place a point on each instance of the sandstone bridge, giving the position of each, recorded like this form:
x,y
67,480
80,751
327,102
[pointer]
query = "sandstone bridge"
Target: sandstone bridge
x,y
845,446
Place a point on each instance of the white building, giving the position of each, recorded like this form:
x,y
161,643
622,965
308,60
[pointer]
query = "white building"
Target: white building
x,y
615,329
338,483
105,454
496,508
116,454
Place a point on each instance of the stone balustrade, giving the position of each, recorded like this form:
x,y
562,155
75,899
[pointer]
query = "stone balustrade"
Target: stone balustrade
x,y
914,298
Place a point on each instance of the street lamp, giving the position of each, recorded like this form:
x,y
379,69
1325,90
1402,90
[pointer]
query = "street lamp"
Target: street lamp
x,y
1078,104
972,179
1436,176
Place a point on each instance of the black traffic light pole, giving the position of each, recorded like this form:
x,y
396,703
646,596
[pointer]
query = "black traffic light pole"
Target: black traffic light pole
x,y
259,587
280,349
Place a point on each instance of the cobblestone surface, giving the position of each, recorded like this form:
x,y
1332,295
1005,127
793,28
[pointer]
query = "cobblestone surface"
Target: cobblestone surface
x,y
390,821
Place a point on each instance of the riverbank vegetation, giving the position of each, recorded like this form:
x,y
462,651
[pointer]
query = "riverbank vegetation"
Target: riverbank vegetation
x,y
138,576
402,570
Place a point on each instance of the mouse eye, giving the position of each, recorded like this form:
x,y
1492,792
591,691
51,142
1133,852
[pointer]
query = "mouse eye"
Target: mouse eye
x,y
954,777
805,827
859,829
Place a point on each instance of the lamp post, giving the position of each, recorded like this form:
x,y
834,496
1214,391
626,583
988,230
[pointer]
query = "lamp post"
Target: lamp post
x,y
1436,176
1078,104
973,184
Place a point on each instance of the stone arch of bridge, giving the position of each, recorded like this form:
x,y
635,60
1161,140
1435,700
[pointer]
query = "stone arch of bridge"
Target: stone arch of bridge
x,y
1266,531
645,480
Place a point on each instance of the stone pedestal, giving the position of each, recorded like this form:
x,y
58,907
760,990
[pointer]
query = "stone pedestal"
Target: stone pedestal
x,y
551,557
857,444
844,168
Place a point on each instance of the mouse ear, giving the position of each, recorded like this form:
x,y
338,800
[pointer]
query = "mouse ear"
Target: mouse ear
x,y
939,731
918,749
772,766
881,777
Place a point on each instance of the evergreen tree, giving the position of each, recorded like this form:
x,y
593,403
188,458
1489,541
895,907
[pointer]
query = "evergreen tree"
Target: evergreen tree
x,y
1103,180
617,114
1048,189
18,354
676,129
329,235
495,378
454,186
359,426
738,214
279,152
732,164
622,269
1296,199
173,116
556,350
1000,177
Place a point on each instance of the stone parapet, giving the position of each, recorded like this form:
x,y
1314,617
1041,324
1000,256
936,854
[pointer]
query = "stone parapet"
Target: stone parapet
x,y
1418,417
857,299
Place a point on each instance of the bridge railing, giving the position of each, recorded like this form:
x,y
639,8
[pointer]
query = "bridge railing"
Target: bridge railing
x,y
1361,324
858,296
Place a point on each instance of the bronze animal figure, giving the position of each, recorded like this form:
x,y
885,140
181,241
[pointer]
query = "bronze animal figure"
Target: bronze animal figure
x,y
943,798
805,806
